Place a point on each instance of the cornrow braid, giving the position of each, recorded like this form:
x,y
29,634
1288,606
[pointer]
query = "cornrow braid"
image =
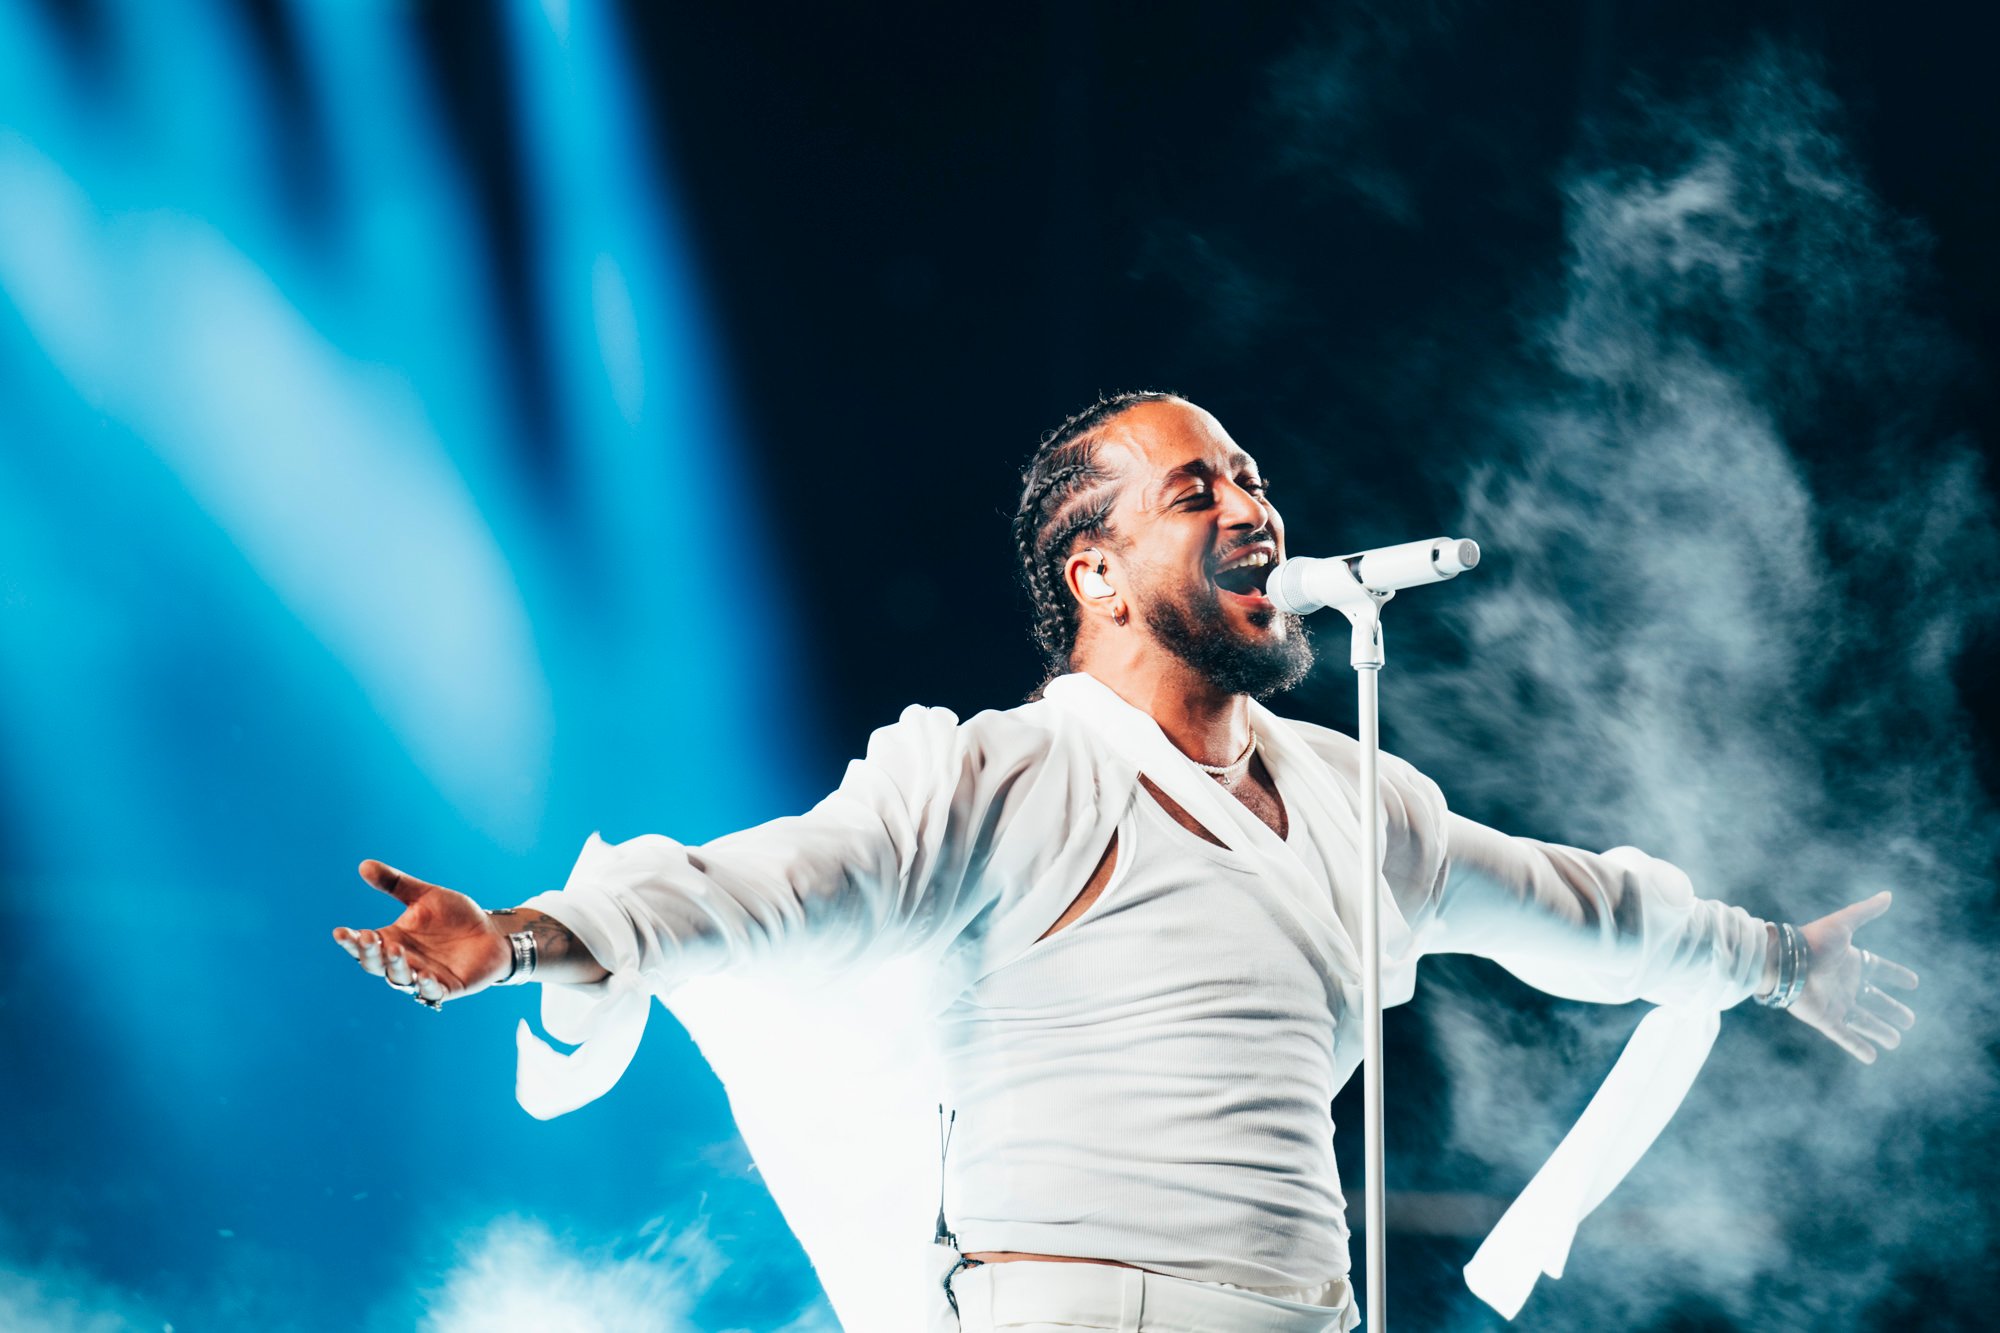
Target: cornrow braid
x,y
1064,503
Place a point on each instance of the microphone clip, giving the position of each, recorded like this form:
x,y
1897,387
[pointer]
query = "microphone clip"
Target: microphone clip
x,y
1364,648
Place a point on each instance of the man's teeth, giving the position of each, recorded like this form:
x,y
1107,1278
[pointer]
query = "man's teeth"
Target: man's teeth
x,y
1255,560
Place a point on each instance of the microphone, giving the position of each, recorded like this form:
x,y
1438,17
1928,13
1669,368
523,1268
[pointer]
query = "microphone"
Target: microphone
x,y
1302,585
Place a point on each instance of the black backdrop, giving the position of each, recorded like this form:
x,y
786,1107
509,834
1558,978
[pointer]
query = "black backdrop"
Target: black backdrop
x,y
932,231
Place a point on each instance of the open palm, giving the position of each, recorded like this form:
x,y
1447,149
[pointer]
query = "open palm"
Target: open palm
x,y
1843,999
442,946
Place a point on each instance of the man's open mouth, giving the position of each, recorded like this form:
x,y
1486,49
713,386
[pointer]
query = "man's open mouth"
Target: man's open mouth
x,y
1244,575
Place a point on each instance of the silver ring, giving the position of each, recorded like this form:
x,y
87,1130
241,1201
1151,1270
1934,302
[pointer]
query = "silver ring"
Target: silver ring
x,y
435,1006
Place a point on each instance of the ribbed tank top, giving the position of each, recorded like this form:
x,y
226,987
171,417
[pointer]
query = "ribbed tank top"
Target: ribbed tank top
x,y
1153,1082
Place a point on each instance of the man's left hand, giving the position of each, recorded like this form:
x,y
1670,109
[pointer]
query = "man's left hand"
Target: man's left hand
x,y
1843,997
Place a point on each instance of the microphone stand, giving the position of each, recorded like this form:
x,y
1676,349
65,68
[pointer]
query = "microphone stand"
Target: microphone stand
x,y
1366,657
1359,585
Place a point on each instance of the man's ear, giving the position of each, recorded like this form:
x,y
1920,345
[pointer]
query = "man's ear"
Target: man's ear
x,y
1090,570
1088,575
1085,575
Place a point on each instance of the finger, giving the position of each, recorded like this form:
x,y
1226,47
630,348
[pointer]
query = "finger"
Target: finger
x,y
405,889
430,987
345,939
1855,915
396,967
1885,1006
1893,973
371,952
1873,1028
1850,1041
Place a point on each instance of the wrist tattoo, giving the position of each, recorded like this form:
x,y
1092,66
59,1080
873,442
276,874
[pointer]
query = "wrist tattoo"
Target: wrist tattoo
x,y
552,938
541,942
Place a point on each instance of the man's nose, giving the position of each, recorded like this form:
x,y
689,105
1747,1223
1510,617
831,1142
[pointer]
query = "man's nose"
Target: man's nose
x,y
1241,509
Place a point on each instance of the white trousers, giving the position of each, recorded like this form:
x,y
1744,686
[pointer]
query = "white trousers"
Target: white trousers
x,y
1028,1296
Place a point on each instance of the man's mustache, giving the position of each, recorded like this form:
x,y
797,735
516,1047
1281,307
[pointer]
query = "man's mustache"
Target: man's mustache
x,y
1260,535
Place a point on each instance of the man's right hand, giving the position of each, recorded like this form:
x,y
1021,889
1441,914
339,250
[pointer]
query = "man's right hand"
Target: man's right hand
x,y
442,946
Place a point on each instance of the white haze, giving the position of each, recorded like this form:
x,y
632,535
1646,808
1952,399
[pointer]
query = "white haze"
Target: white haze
x,y
512,1275
55,1300
1728,586
516,1276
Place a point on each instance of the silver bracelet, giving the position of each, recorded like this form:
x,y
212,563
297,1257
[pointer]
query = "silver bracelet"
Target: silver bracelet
x,y
1792,955
522,944
1799,971
1788,967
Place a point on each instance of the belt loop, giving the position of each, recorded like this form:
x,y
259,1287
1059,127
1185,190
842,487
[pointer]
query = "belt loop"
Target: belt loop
x,y
1131,1299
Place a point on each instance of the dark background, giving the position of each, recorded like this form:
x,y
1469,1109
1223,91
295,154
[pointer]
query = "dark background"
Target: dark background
x,y
932,234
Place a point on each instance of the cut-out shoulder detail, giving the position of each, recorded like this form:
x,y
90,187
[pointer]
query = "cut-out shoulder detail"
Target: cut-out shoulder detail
x,y
1180,816
1092,888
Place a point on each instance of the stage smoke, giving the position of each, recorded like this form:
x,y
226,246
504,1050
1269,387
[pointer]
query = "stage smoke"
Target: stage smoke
x,y
1738,400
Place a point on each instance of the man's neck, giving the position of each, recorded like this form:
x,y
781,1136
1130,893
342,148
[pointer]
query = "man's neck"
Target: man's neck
x,y
1207,724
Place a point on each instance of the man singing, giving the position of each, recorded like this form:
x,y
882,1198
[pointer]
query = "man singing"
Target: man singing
x,y
1139,896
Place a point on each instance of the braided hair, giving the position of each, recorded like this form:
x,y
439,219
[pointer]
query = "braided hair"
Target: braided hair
x,y
1064,502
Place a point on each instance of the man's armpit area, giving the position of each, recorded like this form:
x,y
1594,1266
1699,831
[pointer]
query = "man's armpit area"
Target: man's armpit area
x,y
1088,894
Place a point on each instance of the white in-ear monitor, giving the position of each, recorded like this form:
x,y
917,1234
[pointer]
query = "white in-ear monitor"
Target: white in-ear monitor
x,y
1092,580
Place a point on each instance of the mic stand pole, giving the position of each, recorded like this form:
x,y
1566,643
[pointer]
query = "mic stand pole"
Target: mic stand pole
x,y
1365,655
1359,585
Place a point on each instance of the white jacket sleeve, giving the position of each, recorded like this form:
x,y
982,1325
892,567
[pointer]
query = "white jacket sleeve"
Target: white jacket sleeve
x,y
876,868
1610,927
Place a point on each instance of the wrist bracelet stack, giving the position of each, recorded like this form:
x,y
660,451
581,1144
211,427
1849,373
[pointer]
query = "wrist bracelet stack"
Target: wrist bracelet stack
x,y
1791,968
522,943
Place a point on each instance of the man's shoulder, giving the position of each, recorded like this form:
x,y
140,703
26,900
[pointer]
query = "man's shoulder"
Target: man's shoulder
x,y
996,754
1026,727
1343,751
1327,742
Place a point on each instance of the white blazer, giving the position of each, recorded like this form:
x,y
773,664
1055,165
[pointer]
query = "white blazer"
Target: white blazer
x,y
808,956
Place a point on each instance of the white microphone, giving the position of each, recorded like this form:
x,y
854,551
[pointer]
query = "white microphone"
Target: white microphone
x,y
1302,585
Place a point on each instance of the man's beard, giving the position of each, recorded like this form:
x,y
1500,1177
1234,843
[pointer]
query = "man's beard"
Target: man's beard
x,y
1196,630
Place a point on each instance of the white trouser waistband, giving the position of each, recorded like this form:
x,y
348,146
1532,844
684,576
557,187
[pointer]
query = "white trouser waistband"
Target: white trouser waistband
x,y
1026,1293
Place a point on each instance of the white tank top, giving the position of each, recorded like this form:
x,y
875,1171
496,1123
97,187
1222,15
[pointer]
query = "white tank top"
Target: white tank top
x,y
1153,1083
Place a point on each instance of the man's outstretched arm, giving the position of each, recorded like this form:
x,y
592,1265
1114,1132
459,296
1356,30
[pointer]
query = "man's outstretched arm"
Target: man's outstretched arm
x,y
879,865
445,945
1617,927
